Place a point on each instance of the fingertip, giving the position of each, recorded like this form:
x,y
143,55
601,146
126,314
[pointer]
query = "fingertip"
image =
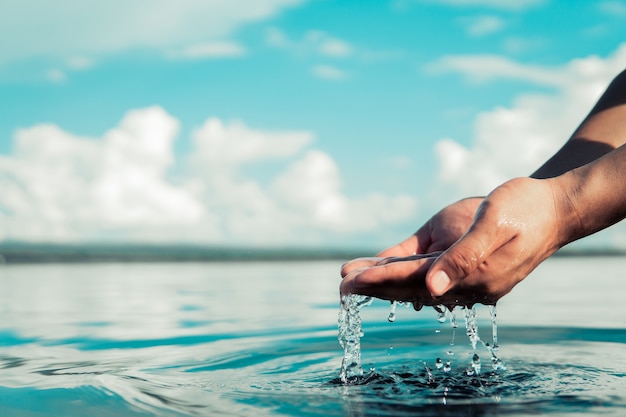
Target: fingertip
x,y
438,283
349,283
358,264
346,286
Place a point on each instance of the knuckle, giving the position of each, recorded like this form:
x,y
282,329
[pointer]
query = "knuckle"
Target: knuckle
x,y
462,261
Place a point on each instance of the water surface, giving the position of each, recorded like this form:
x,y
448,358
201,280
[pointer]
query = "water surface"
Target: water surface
x,y
260,339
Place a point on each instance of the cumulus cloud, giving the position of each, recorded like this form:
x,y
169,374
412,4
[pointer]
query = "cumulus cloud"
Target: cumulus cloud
x,y
515,140
62,28
223,146
61,187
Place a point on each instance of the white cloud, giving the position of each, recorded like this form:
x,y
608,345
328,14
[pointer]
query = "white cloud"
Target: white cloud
x,y
483,25
63,28
517,44
61,187
66,188
482,68
56,75
613,8
328,72
513,5
516,140
216,49
313,42
80,63
221,146
312,186
327,45
276,38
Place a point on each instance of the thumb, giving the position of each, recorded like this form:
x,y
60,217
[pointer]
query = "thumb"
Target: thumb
x,y
460,260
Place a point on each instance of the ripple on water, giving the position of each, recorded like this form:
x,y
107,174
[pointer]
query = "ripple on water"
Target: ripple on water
x,y
549,371
533,385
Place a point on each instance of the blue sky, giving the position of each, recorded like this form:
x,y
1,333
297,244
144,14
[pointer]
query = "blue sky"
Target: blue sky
x,y
284,122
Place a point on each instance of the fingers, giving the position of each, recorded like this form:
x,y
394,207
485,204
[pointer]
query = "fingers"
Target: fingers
x,y
359,263
401,280
362,263
414,257
462,258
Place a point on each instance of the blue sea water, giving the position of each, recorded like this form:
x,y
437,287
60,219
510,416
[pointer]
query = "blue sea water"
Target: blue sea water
x,y
260,339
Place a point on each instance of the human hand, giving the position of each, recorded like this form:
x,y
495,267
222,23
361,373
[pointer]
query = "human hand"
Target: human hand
x,y
440,231
437,234
516,227
409,286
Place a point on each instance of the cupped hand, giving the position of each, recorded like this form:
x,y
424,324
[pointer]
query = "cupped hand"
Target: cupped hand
x,y
393,278
517,226
440,231
437,234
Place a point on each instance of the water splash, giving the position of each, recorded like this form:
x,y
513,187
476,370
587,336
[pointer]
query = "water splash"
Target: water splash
x,y
350,334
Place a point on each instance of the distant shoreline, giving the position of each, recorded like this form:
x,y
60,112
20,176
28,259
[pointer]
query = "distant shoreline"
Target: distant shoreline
x,y
57,253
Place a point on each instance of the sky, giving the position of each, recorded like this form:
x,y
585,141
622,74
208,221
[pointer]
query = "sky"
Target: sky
x,y
284,122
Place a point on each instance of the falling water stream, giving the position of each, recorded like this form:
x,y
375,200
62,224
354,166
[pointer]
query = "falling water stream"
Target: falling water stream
x,y
350,333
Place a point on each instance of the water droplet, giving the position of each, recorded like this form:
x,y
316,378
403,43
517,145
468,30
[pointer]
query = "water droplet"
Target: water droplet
x,y
497,364
437,331
439,363
453,322
441,313
392,312
431,379
476,363
447,367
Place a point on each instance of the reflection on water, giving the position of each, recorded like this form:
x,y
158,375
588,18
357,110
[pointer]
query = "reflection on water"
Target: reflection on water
x,y
261,339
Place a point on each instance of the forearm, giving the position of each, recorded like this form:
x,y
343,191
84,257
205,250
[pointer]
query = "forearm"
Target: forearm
x,y
600,133
592,197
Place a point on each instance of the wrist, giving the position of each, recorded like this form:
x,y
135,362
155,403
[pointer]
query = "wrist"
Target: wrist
x,y
592,197
566,194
